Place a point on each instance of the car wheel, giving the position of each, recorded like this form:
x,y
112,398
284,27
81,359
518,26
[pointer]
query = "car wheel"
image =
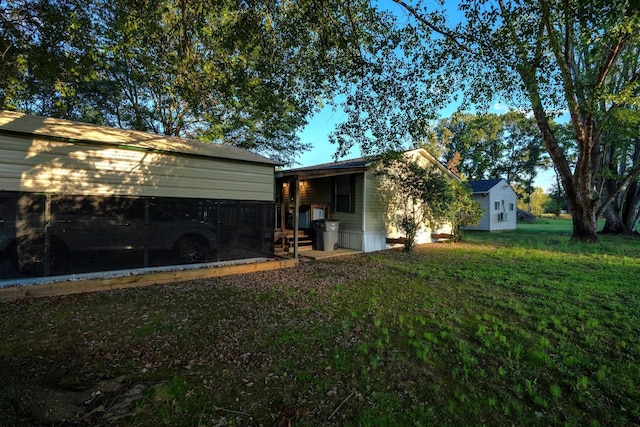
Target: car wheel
x,y
30,261
190,249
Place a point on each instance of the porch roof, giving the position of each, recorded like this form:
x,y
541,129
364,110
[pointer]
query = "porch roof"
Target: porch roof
x,y
344,167
361,164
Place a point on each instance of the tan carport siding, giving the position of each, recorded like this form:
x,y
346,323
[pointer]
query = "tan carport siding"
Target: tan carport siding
x,y
40,154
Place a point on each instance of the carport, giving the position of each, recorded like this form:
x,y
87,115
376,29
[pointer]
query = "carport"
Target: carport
x,y
78,198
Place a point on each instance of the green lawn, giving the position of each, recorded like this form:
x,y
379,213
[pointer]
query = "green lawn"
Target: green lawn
x,y
551,225
520,328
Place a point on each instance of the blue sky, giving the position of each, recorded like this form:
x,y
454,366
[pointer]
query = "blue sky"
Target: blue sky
x,y
323,123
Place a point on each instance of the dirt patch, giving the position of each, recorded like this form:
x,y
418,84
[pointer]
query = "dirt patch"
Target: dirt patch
x,y
24,402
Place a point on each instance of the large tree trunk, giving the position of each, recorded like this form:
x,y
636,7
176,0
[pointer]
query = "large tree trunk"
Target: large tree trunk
x,y
619,222
631,211
613,221
585,223
578,186
622,214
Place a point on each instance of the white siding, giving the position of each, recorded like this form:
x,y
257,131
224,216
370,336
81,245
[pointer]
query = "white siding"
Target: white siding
x,y
374,219
366,242
503,195
41,165
350,239
484,221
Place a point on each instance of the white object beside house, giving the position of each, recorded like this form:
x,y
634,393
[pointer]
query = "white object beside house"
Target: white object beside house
x,y
498,200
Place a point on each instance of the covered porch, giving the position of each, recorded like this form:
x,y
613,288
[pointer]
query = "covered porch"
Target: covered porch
x,y
322,192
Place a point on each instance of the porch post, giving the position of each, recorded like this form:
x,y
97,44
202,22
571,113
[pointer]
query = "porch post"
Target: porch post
x,y
296,215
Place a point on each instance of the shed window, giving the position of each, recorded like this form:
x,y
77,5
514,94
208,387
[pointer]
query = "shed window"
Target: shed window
x,y
345,193
511,206
496,205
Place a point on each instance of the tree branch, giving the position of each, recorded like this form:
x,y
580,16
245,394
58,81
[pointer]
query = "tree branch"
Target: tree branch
x,y
442,31
633,174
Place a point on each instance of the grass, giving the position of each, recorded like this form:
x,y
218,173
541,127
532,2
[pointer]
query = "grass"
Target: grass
x,y
521,328
562,225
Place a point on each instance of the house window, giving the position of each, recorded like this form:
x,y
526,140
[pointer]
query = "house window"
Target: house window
x,y
496,205
511,206
345,193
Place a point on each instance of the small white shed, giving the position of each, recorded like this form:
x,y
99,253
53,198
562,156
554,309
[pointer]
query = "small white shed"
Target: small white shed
x,y
498,200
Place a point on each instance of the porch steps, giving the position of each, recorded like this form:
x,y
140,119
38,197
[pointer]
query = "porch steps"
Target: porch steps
x,y
305,242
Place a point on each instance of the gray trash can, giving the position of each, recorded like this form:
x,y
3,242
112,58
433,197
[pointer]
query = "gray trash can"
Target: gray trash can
x,y
330,235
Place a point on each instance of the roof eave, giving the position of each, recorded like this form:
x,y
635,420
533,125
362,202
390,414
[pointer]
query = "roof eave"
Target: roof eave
x,y
319,173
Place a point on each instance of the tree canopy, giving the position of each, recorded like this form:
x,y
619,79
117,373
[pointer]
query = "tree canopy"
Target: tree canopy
x,y
244,73
251,73
544,56
482,146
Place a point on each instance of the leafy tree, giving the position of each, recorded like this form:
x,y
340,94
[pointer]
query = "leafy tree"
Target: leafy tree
x,y
415,195
244,73
46,56
525,152
491,145
545,56
464,210
477,140
619,184
535,203
557,201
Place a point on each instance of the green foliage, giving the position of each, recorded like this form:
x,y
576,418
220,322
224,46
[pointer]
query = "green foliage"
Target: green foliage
x,y
478,141
417,194
245,73
464,210
491,145
535,203
544,57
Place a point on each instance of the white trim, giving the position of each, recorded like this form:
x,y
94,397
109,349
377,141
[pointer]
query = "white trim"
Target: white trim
x,y
364,201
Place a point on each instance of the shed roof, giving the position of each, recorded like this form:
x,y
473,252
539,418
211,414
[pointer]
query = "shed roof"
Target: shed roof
x,y
484,185
18,123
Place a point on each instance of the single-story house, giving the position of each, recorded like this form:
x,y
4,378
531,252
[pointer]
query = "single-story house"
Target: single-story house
x,y
349,192
134,198
498,200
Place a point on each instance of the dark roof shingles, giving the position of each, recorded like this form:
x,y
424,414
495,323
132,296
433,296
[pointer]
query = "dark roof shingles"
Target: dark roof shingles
x,y
483,185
